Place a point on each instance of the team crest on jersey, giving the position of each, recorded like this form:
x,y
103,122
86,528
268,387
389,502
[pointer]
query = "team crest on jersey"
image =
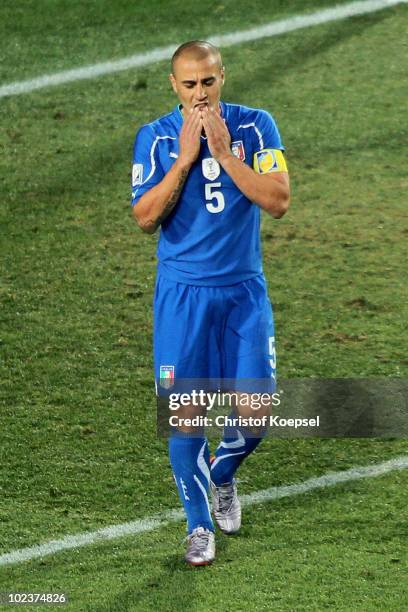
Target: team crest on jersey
x,y
166,376
137,174
211,168
237,149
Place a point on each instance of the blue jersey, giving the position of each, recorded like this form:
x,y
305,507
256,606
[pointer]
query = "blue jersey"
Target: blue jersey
x,y
212,235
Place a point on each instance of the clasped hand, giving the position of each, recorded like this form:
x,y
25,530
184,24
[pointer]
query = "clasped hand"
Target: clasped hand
x,y
218,136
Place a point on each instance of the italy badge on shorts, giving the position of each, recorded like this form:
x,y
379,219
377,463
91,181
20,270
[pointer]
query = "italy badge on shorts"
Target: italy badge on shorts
x,y
166,376
269,160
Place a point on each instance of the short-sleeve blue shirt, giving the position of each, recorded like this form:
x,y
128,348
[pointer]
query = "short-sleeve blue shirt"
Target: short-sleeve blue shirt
x,y
212,235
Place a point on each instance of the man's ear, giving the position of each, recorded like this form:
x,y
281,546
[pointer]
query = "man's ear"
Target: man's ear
x,y
173,83
223,75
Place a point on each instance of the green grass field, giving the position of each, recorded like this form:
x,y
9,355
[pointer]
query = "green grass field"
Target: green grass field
x,y
78,445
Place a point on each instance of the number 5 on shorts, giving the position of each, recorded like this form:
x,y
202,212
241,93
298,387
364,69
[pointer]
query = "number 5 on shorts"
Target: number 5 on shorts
x,y
272,355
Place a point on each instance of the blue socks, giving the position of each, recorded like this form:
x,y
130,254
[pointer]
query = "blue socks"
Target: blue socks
x,y
232,450
190,460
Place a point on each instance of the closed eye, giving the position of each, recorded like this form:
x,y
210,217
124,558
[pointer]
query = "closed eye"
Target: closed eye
x,y
206,82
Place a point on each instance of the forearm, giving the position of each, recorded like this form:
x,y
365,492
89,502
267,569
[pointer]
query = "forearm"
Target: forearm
x,y
155,205
269,192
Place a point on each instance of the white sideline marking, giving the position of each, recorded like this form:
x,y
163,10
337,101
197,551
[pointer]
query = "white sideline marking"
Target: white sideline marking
x,y
161,520
272,28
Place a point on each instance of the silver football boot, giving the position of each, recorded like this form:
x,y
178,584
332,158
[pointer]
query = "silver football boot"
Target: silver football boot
x,y
226,507
201,547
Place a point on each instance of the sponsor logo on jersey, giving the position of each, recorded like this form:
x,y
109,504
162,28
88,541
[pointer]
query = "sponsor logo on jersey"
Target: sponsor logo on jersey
x,y
137,174
166,376
269,160
237,149
211,168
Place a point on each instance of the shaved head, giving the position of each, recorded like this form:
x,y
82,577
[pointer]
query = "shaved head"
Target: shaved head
x,y
196,50
197,75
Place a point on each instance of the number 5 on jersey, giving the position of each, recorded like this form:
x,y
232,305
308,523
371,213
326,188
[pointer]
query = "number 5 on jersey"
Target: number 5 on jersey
x,y
215,202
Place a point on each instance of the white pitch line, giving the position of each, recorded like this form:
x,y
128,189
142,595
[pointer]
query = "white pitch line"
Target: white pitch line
x,y
162,520
274,28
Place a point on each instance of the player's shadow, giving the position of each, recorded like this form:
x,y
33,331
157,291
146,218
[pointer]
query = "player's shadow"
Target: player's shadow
x,y
171,588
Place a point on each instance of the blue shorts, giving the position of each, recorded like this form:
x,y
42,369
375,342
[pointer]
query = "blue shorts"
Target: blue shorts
x,y
205,332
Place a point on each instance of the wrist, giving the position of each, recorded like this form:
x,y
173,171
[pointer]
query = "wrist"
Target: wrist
x,y
182,165
226,158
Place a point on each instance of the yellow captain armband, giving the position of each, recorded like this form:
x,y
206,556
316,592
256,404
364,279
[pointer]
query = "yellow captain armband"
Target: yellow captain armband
x,y
269,160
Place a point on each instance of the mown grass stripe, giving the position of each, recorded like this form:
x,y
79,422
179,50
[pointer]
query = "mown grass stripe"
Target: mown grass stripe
x,y
138,60
154,522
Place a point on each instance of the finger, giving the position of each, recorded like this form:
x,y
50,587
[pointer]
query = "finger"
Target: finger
x,y
214,126
217,117
197,128
191,117
218,121
196,124
207,112
207,124
207,129
190,126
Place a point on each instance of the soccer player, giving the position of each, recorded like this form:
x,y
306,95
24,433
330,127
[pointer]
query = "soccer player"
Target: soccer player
x,y
202,173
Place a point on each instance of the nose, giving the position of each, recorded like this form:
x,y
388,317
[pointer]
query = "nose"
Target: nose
x,y
200,92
